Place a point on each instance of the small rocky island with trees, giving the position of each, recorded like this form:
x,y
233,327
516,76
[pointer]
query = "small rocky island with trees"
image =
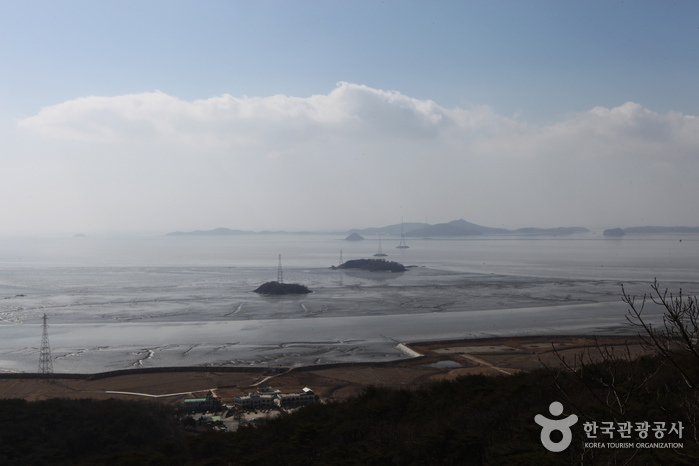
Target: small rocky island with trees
x,y
276,288
373,265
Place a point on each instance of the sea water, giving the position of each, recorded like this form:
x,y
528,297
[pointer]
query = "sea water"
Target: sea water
x,y
149,301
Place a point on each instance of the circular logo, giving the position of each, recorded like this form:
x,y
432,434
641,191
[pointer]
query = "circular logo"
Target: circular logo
x,y
561,425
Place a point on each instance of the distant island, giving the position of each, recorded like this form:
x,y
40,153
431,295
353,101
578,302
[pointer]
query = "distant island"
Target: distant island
x,y
420,230
455,228
276,288
613,233
389,230
650,230
463,228
373,265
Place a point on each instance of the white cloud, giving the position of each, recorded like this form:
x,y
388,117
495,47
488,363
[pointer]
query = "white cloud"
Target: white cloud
x,y
223,122
353,111
626,132
254,158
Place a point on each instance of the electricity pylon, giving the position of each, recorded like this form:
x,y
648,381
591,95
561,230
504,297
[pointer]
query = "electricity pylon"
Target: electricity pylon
x,y
45,362
280,274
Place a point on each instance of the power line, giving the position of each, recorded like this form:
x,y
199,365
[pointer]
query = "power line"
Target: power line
x,y
280,274
45,361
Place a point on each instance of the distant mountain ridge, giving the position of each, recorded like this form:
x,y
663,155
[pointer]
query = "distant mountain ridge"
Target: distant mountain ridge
x,y
456,228
463,228
415,230
394,230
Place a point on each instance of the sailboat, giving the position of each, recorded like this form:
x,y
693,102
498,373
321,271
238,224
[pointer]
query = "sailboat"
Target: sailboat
x,y
402,244
380,252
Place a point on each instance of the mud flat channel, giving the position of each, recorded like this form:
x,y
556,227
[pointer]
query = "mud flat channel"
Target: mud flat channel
x,y
438,361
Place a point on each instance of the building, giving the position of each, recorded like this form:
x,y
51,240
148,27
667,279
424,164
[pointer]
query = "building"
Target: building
x,y
255,401
268,398
209,403
294,400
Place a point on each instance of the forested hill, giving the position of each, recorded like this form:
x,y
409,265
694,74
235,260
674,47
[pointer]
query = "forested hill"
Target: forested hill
x,y
468,420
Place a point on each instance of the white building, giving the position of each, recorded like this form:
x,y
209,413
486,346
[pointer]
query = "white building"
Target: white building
x,y
267,398
294,400
255,401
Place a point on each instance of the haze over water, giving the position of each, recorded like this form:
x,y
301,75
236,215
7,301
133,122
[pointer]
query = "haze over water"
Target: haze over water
x,y
123,302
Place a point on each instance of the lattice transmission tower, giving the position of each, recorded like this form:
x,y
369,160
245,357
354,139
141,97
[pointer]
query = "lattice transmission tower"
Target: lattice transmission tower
x,y
45,361
280,274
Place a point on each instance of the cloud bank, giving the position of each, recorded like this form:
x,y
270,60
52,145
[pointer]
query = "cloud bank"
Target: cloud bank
x,y
353,111
226,121
605,166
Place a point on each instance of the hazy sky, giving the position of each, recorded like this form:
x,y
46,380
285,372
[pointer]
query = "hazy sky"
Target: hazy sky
x,y
155,116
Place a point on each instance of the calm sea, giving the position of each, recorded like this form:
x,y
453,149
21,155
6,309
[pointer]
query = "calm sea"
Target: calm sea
x,y
583,256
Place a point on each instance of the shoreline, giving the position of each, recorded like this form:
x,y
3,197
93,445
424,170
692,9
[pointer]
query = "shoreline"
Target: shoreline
x,y
291,341
437,360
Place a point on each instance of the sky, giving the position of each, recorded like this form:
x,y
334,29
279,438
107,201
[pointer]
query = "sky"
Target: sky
x,y
154,116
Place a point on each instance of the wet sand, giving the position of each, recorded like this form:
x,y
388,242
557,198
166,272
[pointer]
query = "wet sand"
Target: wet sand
x,y
79,347
438,361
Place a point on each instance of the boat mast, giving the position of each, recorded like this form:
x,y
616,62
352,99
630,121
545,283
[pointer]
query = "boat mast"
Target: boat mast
x,y
402,244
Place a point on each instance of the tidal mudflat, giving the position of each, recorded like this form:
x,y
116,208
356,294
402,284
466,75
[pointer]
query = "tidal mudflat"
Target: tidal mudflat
x,y
118,307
